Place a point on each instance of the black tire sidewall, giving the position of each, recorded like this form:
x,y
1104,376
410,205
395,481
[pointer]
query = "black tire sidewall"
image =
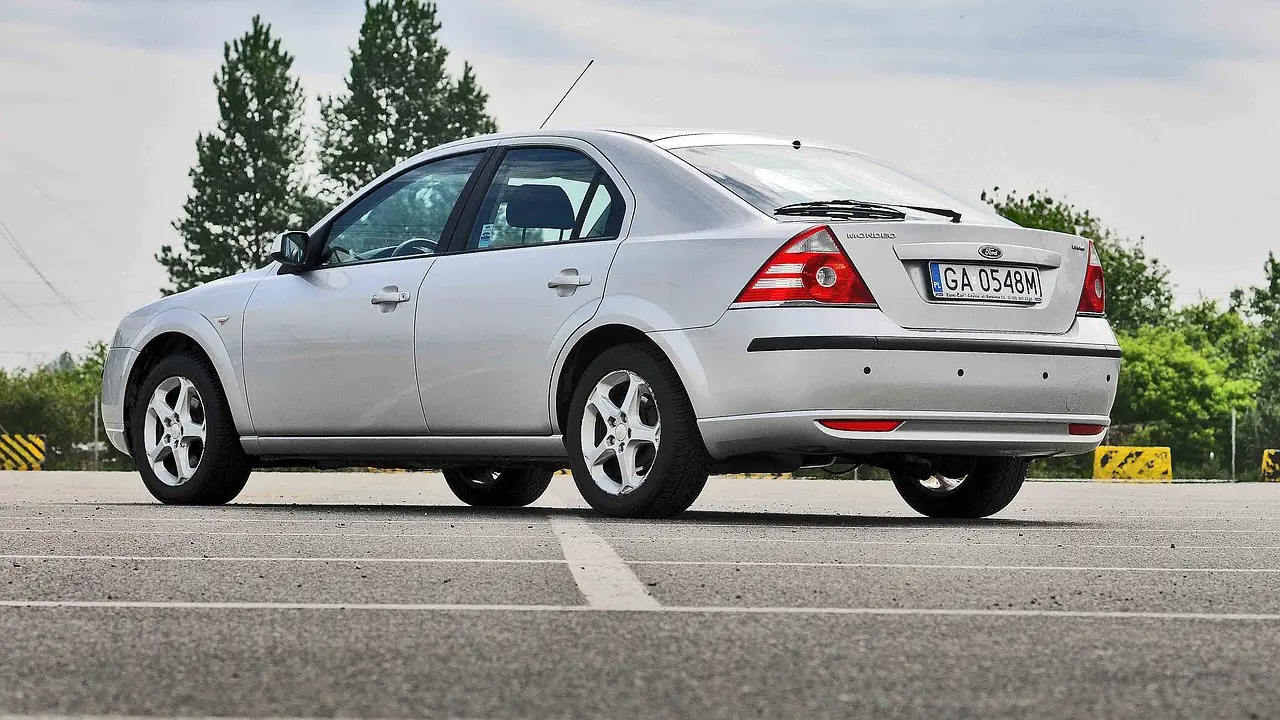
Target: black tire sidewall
x,y
665,395
990,487
514,487
221,439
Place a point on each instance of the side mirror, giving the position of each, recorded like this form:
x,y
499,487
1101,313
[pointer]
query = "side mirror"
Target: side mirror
x,y
290,249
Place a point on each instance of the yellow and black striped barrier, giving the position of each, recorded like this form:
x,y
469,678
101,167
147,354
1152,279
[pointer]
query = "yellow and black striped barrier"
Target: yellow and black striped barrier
x,y
1271,465
1133,464
21,452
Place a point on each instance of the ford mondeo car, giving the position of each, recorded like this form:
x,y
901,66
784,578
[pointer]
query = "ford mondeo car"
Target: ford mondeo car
x,y
644,308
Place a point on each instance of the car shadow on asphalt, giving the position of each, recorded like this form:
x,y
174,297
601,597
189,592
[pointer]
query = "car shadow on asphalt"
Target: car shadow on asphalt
x,y
735,518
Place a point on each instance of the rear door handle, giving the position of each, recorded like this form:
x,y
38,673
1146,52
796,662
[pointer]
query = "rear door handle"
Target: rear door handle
x,y
388,297
569,277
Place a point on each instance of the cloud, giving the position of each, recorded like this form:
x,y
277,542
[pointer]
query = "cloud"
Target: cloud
x,y
1013,40
1145,111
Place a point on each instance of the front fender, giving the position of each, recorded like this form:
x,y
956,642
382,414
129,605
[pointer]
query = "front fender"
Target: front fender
x,y
214,340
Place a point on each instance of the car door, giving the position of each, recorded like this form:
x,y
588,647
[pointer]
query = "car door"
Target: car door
x,y
528,270
329,351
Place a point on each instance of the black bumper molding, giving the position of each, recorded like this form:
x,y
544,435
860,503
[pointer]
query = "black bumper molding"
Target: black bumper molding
x,y
958,345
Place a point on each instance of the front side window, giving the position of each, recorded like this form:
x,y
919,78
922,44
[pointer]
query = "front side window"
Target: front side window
x,y
546,195
403,217
771,176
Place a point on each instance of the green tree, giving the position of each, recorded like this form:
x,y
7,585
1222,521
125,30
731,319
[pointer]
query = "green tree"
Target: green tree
x,y
248,183
400,98
56,400
1171,393
1139,293
1260,428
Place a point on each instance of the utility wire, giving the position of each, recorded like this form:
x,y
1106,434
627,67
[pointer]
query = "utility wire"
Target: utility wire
x,y
56,203
9,237
21,310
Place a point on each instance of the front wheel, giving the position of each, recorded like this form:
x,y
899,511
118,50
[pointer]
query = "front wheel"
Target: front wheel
x,y
183,437
493,487
632,436
986,489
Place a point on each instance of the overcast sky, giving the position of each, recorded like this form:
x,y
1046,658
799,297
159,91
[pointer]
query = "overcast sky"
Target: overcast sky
x,y
1158,115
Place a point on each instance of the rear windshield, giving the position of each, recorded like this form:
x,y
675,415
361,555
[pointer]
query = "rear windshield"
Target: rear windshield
x,y
770,176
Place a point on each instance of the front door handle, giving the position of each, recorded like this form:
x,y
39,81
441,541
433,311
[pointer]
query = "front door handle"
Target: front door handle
x,y
569,277
389,297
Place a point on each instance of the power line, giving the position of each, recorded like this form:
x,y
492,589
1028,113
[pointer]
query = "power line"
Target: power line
x,y
21,310
9,237
47,195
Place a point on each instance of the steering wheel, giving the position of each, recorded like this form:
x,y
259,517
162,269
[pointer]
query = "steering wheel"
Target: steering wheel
x,y
418,246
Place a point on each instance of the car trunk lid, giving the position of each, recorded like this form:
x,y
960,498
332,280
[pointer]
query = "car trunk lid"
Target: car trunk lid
x,y
894,260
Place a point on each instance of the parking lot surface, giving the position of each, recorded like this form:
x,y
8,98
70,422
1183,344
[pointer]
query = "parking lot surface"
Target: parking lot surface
x,y
378,595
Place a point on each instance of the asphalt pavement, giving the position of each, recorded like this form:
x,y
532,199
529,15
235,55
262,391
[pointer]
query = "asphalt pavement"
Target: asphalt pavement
x,y
378,595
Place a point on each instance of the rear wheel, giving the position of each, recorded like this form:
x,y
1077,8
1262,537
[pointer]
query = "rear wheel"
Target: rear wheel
x,y
494,487
633,438
182,435
987,488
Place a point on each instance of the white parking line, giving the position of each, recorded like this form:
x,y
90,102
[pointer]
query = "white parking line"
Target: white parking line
x,y
203,558
915,566
702,563
649,538
536,522
603,578
271,534
930,543
687,609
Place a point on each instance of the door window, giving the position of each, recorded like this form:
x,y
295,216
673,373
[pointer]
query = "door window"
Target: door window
x,y
403,217
546,195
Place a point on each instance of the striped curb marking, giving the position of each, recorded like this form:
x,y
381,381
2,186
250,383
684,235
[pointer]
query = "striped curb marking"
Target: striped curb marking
x,y
21,452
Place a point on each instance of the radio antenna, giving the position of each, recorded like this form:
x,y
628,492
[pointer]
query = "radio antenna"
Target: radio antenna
x,y
566,93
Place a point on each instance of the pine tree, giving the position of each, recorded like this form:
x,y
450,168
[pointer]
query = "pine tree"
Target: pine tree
x,y
400,98
248,182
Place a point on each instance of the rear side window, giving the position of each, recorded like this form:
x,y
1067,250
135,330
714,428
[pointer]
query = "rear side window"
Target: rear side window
x,y
546,195
770,176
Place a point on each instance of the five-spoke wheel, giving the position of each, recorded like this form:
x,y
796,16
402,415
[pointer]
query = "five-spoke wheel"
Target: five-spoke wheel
x,y
633,439
621,431
182,436
174,432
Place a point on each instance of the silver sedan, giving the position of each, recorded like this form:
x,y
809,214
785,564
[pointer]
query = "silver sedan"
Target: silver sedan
x,y
644,308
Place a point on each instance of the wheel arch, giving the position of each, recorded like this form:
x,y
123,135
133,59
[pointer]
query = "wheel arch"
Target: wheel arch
x,y
593,342
179,331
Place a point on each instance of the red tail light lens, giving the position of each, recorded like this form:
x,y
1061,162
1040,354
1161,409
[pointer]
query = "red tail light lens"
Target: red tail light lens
x,y
1082,429
1093,296
810,267
861,425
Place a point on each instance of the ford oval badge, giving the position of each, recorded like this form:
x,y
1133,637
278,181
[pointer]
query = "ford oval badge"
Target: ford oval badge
x,y
990,252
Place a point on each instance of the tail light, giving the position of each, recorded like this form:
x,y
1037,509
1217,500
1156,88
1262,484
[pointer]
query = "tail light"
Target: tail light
x,y
1083,429
861,425
1093,296
810,267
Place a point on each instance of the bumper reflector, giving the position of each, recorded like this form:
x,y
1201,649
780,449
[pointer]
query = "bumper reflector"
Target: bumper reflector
x,y
1082,429
861,425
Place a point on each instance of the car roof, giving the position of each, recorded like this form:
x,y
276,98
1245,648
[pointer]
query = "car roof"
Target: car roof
x,y
661,136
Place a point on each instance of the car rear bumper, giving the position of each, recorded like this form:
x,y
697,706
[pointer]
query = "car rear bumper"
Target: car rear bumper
x,y
973,433
760,378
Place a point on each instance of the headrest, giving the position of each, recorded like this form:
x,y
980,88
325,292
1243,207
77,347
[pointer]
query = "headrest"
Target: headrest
x,y
539,206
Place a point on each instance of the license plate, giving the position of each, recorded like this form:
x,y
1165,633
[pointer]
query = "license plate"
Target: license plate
x,y
993,283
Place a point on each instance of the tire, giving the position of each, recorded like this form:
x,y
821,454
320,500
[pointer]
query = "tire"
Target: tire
x,y
485,487
221,467
676,465
988,488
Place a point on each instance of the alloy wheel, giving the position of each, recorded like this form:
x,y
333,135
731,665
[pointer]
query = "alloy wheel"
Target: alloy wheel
x,y
620,432
174,431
